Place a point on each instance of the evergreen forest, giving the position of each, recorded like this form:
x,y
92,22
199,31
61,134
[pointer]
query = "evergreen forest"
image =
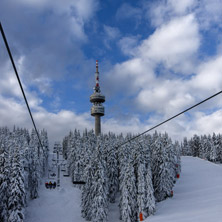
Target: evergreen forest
x,y
22,165
135,175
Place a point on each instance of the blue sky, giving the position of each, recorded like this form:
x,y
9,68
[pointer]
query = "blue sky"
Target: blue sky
x,y
156,58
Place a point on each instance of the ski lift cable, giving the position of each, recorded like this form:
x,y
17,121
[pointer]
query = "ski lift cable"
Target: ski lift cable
x,y
20,84
165,121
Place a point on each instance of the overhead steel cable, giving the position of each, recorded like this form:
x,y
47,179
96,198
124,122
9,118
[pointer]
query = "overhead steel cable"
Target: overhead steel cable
x,y
186,110
20,84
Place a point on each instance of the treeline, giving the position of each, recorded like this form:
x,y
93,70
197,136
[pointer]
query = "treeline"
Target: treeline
x,y
137,175
206,147
22,164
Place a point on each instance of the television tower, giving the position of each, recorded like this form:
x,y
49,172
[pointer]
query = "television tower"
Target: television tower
x,y
97,99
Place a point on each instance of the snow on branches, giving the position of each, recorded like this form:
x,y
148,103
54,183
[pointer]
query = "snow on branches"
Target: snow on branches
x,y
138,174
21,165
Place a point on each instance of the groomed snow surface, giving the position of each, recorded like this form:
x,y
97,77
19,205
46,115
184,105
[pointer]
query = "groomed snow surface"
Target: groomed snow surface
x,y
197,198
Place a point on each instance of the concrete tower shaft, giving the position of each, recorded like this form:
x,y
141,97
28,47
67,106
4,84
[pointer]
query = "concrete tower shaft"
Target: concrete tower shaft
x,y
97,99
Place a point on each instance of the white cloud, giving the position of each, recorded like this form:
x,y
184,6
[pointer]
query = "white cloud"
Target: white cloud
x,y
209,76
83,9
129,76
13,113
132,125
207,12
76,12
174,44
128,45
182,6
162,12
110,34
206,124
165,97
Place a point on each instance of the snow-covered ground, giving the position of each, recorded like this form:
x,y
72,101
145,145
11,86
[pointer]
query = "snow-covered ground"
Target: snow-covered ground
x,y
197,194
56,205
197,197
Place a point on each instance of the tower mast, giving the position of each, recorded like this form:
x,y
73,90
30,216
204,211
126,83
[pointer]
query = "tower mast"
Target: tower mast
x,y
97,110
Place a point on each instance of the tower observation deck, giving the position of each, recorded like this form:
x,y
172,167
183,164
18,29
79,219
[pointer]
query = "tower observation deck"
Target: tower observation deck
x,y
97,99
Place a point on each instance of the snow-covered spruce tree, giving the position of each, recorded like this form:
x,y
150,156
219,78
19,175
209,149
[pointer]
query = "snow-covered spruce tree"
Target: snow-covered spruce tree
x,y
45,151
128,204
16,200
214,151
150,206
141,180
144,160
65,147
128,184
34,166
112,166
203,147
177,157
95,204
4,180
163,176
76,169
186,151
73,149
170,161
156,151
86,202
196,146
100,185
219,138
209,147
123,156
25,159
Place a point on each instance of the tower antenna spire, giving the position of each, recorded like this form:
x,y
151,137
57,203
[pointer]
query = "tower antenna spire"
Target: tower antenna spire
x,y
97,99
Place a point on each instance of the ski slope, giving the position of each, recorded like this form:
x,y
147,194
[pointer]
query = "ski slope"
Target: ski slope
x,y
56,205
197,197
197,194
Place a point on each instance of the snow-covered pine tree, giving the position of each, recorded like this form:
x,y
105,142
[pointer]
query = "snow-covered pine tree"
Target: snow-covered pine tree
x,y
44,153
219,138
112,166
100,184
34,166
209,145
86,202
95,191
163,176
196,145
17,197
214,148
186,148
141,179
203,147
150,204
170,160
128,205
177,157
4,179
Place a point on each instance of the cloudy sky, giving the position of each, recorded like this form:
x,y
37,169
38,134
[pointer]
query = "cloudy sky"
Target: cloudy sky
x,y
156,58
